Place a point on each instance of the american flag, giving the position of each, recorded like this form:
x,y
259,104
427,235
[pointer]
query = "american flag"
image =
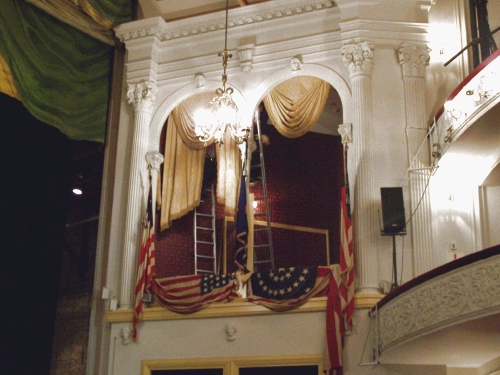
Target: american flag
x,y
188,294
146,268
287,288
241,248
346,255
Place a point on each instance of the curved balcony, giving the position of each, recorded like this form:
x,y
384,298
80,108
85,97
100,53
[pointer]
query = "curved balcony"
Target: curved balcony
x,y
449,316
473,102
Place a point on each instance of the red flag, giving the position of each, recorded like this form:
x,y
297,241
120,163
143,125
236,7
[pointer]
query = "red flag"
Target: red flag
x,y
146,268
188,294
346,256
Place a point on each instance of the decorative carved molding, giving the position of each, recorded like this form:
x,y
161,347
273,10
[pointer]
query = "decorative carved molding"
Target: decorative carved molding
x,y
358,58
295,63
231,331
163,34
154,159
245,54
345,131
199,80
126,335
413,59
142,96
463,294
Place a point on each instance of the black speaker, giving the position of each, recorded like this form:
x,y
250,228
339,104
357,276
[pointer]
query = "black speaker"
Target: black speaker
x,y
393,210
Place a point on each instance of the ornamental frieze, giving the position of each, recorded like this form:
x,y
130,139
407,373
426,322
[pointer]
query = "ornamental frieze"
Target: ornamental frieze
x,y
463,294
164,34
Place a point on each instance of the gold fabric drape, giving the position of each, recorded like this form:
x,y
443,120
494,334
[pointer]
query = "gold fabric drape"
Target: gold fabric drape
x,y
6,81
295,105
182,177
228,174
184,162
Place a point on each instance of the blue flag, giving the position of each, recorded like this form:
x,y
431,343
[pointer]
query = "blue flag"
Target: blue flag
x,y
241,247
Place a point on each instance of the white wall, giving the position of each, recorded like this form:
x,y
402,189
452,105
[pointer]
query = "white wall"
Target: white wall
x,y
492,215
494,19
447,35
205,338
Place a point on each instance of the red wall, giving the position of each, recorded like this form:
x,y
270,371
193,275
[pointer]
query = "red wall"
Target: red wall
x,y
304,177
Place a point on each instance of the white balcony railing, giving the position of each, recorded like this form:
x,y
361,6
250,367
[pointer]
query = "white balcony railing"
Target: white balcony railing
x,y
478,93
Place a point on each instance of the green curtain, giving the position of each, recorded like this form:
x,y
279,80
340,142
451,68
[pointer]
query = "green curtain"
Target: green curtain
x,y
61,74
114,11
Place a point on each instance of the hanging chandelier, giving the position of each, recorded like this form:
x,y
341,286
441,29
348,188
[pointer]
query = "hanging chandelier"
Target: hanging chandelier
x,y
222,113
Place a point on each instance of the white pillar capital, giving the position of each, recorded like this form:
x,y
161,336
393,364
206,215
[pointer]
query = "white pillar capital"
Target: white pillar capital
x,y
142,95
358,58
414,58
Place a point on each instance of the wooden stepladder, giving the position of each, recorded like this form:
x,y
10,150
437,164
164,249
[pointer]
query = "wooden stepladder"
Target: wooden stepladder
x,y
263,254
205,249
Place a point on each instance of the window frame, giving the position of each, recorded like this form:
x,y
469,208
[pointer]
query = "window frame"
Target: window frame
x,y
231,366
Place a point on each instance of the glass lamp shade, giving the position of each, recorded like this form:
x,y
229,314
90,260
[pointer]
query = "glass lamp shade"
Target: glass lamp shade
x,y
222,114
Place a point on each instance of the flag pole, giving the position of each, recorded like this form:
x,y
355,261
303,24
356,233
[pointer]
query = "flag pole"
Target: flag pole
x,y
146,268
346,240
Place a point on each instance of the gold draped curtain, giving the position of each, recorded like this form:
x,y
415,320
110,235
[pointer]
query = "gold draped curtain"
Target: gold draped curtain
x,y
295,105
6,81
184,162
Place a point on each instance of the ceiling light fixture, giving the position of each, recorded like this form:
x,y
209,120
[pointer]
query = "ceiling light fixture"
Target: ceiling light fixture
x,y
77,191
222,112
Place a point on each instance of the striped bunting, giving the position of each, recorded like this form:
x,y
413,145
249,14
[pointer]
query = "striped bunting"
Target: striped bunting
x,y
188,294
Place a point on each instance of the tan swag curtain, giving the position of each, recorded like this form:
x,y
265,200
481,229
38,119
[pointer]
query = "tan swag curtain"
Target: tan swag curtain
x,y
184,162
182,177
228,174
6,81
295,105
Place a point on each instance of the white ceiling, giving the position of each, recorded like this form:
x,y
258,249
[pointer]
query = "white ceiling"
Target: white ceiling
x,y
172,10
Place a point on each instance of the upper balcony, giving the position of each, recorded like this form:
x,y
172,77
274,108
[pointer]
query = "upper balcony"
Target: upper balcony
x,y
474,102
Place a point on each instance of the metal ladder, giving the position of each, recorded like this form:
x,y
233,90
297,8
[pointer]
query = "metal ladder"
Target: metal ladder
x,y
263,241
205,255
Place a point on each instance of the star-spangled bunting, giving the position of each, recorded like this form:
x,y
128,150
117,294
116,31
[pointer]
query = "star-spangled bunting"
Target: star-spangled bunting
x,y
284,283
211,282
187,294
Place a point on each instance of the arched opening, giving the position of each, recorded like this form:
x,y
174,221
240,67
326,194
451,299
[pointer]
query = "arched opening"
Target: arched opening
x,y
304,176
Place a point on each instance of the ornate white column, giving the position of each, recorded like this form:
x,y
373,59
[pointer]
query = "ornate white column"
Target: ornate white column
x,y
414,60
142,96
358,59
